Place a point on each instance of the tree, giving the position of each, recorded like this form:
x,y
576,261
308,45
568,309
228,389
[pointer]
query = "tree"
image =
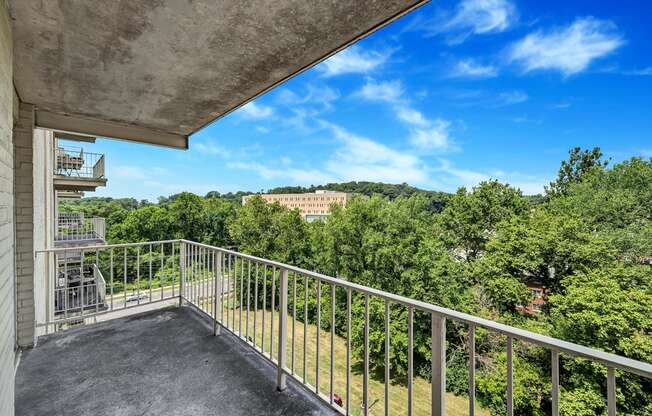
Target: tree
x,y
579,163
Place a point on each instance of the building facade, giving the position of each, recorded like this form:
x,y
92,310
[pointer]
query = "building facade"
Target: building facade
x,y
315,206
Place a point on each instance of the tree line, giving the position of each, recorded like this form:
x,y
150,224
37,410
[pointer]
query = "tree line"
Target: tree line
x,y
586,240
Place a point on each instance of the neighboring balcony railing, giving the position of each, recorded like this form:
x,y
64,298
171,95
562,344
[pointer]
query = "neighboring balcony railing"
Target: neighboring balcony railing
x,y
76,227
262,302
75,162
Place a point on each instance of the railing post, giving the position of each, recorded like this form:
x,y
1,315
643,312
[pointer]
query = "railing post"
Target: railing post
x,y
217,270
182,270
438,365
281,382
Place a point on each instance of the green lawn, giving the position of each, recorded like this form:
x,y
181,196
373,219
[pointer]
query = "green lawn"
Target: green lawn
x,y
398,393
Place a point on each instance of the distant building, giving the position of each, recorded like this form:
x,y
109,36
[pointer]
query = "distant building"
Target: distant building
x,y
539,294
312,206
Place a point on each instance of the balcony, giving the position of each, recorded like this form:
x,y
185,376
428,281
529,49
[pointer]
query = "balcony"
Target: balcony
x,y
262,313
77,170
74,229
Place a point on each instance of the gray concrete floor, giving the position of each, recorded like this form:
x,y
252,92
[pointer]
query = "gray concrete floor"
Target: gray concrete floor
x,y
164,362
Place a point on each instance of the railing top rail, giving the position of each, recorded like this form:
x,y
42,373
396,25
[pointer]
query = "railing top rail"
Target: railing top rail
x,y
105,246
608,359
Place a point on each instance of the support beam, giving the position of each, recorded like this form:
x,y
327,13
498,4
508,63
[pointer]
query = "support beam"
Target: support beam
x,y
85,126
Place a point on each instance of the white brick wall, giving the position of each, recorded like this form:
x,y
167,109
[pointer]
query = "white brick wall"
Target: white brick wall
x,y
7,286
24,218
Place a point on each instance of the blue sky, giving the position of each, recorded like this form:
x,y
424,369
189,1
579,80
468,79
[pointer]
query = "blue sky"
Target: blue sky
x,y
449,95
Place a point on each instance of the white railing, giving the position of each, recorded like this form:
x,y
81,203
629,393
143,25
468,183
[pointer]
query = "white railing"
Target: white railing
x,y
244,295
75,227
116,277
75,162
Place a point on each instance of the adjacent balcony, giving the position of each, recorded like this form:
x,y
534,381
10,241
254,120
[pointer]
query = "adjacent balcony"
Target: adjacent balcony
x,y
74,229
287,341
78,170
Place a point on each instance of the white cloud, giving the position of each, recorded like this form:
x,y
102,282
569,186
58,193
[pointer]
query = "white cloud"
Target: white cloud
x,y
471,17
318,95
562,106
436,137
209,148
426,135
412,116
644,72
570,49
353,60
255,111
511,97
297,176
262,129
468,68
388,91
360,158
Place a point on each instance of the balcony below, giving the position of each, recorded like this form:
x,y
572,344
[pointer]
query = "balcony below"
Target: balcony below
x,y
77,170
159,362
75,230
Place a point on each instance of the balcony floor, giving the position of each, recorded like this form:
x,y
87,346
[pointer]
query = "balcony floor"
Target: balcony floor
x,y
164,362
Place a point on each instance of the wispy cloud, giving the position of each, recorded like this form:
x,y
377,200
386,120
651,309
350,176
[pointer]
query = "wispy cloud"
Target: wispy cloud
x,y
317,95
128,172
425,134
295,175
210,148
643,72
511,98
361,158
468,68
388,91
562,105
353,60
569,49
471,17
252,110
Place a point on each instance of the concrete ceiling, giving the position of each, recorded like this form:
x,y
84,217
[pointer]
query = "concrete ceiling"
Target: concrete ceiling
x,y
164,69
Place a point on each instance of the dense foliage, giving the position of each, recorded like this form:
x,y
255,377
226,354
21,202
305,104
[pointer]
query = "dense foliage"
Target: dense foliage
x,y
584,240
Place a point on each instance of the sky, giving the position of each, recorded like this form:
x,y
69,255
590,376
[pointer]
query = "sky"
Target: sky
x,y
452,94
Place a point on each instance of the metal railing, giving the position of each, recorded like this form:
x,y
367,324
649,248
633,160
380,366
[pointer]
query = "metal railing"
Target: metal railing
x,y
266,304
72,226
114,278
75,162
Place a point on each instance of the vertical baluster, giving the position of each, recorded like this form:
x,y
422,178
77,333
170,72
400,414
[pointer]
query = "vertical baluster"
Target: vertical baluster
x,y
222,261
348,351
271,317
294,318
410,375
262,341
510,376
81,283
471,342
67,292
248,298
611,391
318,333
162,255
228,287
235,290
282,328
138,275
124,284
150,272
241,297
438,362
96,282
173,267
255,303
555,382
365,380
217,276
387,352
305,328
111,275
332,367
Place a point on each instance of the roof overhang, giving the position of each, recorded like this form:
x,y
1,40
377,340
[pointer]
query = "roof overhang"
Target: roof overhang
x,y
157,72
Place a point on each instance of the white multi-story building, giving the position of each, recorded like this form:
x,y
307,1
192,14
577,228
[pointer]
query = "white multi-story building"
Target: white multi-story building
x,y
312,206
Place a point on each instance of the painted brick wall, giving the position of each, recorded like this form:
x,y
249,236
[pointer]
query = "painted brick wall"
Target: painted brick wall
x,y
7,286
24,218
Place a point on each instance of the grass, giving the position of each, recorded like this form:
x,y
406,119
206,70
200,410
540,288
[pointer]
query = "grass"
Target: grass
x,y
455,405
